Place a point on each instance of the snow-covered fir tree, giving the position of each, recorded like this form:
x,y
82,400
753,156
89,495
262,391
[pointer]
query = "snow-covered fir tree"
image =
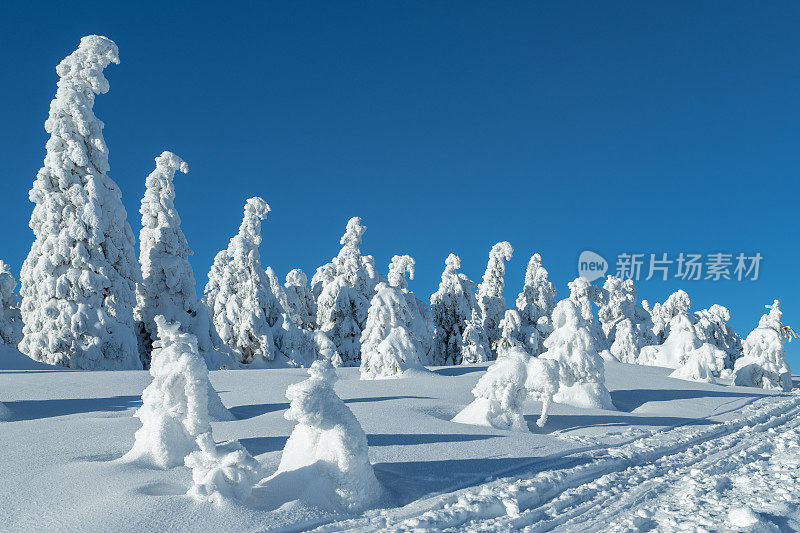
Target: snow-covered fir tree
x,y
626,325
421,327
475,346
763,363
221,472
346,290
327,453
490,292
245,311
10,316
583,294
278,290
179,404
302,307
535,305
451,306
512,334
168,284
388,348
581,369
678,302
78,282
712,326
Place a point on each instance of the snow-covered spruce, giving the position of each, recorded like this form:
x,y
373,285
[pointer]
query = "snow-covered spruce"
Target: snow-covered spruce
x,y
501,391
421,324
221,472
581,369
346,286
388,348
301,306
475,347
10,316
78,282
451,306
583,294
535,305
712,327
512,334
326,457
168,284
245,311
678,302
177,406
490,292
764,361
626,325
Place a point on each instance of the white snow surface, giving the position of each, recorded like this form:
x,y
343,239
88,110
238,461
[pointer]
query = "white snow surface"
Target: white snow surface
x,y
676,454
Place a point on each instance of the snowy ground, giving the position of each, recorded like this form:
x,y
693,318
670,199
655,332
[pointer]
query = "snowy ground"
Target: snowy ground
x,y
677,455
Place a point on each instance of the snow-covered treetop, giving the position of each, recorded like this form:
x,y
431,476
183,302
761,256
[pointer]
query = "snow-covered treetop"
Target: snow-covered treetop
x,y
772,320
296,278
353,234
158,205
719,312
397,271
492,284
452,263
678,302
249,236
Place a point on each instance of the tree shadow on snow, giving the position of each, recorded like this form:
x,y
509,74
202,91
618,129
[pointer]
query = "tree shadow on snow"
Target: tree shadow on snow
x,y
243,412
259,445
570,422
630,399
36,409
458,370
409,439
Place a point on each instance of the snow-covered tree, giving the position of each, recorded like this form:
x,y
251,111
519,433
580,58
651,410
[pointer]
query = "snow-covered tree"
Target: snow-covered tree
x,y
421,327
302,307
78,282
245,311
10,316
278,290
475,347
583,294
451,305
388,347
764,361
327,453
512,333
507,383
490,292
678,302
221,472
535,305
168,284
179,403
581,369
626,325
712,326
684,351
346,290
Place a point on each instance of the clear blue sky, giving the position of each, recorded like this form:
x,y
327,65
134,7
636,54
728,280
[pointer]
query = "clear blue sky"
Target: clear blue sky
x,y
447,126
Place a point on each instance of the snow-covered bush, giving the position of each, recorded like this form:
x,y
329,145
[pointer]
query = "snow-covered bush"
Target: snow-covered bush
x,y
490,292
302,307
388,348
581,369
175,406
451,305
475,347
501,391
78,282
327,453
535,305
10,316
421,327
626,325
221,472
712,327
684,351
345,290
583,294
764,361
678,302
245,311
168,284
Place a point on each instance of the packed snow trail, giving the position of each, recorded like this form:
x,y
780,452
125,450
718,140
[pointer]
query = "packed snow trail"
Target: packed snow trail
x,y
726,476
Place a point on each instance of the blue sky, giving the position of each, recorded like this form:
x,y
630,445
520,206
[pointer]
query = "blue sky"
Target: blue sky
x,y
447,126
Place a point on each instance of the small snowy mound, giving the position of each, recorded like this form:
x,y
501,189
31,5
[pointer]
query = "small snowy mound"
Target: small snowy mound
x,y
221,472
175,406
764,364
326,460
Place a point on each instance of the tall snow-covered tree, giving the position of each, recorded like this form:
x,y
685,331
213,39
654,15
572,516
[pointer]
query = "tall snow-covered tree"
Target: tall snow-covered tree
x,y
345,294
764,361
79,280
583,294
246,313
388,347
581,369
626,325
475,346
490,292
451,305
302,307
421,326
168,284
712,326
10,316
535,305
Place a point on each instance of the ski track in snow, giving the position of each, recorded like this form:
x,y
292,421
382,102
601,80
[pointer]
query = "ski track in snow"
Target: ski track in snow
x,y
731,476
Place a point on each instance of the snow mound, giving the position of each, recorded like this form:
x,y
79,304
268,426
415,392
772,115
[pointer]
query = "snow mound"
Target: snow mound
x,y
221,472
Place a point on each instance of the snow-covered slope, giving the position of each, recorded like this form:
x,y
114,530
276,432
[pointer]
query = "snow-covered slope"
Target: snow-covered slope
x,y
674,451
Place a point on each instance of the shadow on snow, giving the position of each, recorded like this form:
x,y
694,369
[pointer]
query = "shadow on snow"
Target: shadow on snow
x,y
630,399
36,409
